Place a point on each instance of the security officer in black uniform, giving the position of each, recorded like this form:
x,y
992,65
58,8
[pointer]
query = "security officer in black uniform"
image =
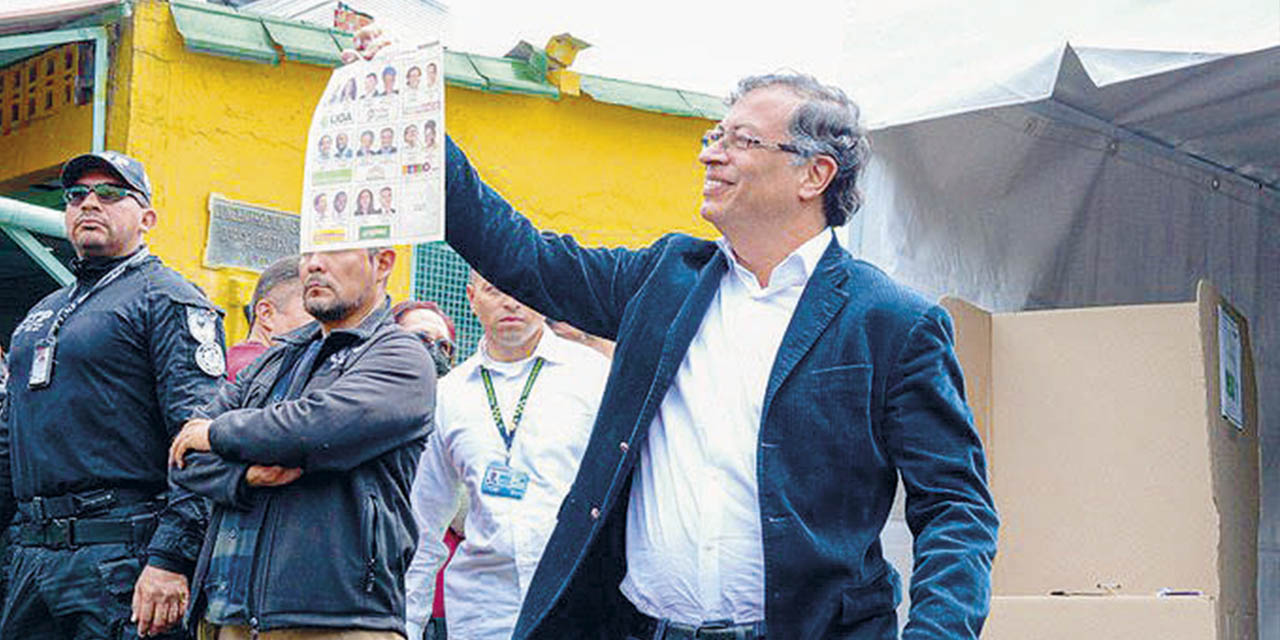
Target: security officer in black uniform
x,y
103,373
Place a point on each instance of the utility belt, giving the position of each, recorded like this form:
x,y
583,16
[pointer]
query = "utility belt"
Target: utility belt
x,y
76,519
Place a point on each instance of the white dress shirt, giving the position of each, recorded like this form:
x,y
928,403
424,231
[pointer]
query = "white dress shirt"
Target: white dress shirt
x,y
694,550
485,583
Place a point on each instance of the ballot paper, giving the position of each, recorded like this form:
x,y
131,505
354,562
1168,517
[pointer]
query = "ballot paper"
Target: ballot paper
x,y
375,154
1230,366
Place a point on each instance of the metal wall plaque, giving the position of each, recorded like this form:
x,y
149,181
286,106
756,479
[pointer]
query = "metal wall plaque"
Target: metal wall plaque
x,y
247,236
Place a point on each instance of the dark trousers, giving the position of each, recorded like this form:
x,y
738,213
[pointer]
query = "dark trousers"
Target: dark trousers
x,y
85,593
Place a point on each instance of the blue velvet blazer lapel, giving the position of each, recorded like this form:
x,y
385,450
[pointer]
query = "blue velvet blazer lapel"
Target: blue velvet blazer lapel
x,y
683,328
821,300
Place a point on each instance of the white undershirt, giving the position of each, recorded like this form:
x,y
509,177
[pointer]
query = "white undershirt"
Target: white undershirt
x,y
694,550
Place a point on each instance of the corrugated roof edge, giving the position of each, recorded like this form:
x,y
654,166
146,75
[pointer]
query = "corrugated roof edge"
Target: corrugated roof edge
x,y
510,75
469,77
260,49
320,49
699,104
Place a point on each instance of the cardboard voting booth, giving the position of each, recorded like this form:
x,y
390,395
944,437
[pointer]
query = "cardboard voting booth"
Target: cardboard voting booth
x,y
1101,618
1123,455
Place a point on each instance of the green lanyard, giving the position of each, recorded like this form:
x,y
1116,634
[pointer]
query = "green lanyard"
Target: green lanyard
x,y
509,436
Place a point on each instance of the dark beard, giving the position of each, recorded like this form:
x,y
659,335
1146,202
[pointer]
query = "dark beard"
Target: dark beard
x,y
331,313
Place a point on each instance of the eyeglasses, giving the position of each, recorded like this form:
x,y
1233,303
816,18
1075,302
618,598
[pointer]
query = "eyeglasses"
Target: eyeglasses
x,y
107,193
738,140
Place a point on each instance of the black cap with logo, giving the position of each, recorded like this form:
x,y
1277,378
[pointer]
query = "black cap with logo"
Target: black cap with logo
x,y
127,169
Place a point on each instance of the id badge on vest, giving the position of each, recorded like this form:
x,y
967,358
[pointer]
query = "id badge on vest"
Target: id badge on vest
x,y
42,363
502,481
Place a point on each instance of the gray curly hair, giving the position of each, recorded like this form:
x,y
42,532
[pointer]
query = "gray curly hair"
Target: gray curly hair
x,y
826,124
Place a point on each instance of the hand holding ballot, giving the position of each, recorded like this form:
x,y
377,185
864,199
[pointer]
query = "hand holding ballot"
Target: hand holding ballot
x,y
388,110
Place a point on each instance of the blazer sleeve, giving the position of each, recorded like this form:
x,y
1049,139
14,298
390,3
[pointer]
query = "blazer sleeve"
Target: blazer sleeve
x,y
929,432
589,288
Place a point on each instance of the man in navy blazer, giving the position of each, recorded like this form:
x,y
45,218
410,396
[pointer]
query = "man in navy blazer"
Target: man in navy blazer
x,y
767,393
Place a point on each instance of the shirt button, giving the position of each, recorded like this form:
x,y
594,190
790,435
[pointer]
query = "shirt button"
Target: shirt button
x,y
624,447
595,513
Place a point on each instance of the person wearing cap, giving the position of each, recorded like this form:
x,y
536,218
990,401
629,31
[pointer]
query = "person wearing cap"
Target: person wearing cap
x,y
104,372
512,423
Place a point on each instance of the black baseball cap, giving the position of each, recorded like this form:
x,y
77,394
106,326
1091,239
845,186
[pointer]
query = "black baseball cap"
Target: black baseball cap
x,y
128,170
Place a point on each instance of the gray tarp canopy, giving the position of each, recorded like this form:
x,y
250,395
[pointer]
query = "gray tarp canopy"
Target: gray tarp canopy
x,y
1098,177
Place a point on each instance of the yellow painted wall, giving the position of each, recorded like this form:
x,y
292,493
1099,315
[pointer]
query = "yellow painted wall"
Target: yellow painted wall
x,y
209,124
44,142
607,174
203,123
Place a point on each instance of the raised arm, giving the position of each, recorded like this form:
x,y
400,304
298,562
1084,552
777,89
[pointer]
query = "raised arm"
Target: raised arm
x,y
550,272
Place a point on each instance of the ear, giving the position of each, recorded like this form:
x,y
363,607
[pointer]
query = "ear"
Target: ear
x,y
383,262
819,173
263,313
149,218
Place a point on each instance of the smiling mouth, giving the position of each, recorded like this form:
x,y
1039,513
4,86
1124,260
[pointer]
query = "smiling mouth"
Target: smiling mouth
x,y
711,186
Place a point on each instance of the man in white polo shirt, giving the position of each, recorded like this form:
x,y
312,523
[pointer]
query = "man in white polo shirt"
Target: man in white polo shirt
x,y
512,424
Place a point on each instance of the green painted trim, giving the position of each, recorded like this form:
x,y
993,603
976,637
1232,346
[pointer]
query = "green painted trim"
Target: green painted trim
x,y
343,39
47,39
459,71
109,15
644,97
101,71
220,31
506,75
304,43
648,97
24,215
35,42
39,253
10,56
711,107
200,25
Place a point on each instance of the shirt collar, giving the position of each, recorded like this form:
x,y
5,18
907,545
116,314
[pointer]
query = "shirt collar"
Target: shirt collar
x,y
551,348
794,270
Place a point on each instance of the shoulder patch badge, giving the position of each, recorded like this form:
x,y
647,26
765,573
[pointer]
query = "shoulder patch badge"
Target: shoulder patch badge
x,y
202,323
210,359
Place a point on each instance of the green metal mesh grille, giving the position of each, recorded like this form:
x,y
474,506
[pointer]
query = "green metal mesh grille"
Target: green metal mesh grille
x,y
440,275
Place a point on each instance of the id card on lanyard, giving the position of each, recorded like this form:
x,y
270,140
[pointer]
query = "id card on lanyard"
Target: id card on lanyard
x,y
45,348
500,479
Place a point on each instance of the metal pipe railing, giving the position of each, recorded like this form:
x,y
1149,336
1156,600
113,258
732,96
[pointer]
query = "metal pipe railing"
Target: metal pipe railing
x,y
16,213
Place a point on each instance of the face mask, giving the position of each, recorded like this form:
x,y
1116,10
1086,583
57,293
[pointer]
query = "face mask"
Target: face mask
x,y
441,351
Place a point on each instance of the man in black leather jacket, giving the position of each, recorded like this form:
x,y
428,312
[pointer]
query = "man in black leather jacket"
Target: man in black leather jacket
x,y
104,372
308,458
